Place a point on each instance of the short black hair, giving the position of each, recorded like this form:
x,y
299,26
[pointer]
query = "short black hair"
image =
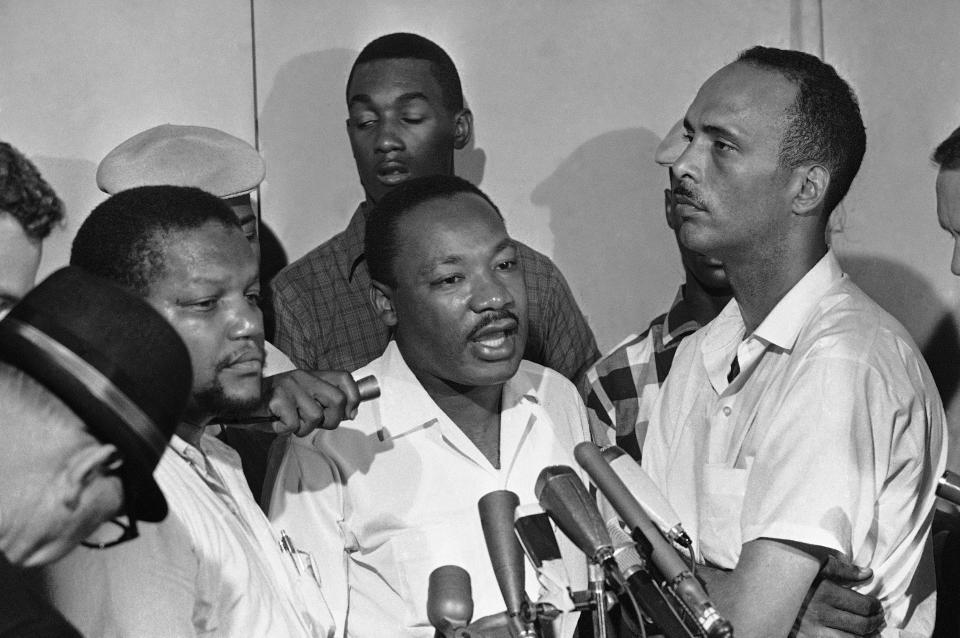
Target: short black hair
x,y
26,196
399,46
121,239
824,123
947,155
381,244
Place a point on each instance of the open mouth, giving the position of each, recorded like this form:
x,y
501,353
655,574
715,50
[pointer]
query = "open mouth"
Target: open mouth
x,y
392,173
496,340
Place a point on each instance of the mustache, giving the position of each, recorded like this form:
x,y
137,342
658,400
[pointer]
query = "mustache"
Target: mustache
x,y
244,354
684,190
492,317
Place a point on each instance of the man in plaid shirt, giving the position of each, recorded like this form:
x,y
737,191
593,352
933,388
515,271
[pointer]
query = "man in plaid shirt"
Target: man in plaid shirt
x,y
621,387
406,118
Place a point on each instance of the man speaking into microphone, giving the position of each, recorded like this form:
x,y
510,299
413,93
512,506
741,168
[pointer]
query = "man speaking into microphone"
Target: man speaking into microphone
x,y
388,498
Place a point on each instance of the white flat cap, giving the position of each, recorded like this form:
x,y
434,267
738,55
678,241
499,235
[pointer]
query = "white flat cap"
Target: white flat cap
x,y
206,158
672,146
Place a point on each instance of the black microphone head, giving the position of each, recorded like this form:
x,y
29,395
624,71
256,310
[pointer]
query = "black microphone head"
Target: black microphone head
x,y
506,554
449,598
563,495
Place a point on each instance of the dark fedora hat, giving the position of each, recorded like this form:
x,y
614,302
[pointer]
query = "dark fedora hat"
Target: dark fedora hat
x,y
110,357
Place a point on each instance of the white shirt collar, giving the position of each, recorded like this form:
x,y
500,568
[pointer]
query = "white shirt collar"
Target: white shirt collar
x,y
782,325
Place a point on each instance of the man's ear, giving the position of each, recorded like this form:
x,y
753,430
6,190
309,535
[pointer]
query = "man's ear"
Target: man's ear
x,y
462,128
381,296
82,467
810,185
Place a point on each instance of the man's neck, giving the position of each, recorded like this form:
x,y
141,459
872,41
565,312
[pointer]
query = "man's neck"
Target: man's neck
x,y
760,283
703,304
192,426
476,411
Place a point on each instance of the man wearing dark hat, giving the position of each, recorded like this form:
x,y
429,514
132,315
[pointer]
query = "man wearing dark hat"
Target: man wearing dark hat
x,y
92,382
215,565
29,209
406,118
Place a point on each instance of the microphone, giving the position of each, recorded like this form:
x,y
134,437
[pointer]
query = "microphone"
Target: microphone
x,y
496,518
650,498
948,487
686,587
641,590
562,494
449,599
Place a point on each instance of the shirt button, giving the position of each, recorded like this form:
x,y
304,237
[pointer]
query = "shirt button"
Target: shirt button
x,y
726,410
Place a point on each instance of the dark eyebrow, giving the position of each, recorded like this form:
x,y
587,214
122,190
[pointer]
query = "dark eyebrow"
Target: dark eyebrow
x,y
506,243
246,219
711,129
363,98
451,259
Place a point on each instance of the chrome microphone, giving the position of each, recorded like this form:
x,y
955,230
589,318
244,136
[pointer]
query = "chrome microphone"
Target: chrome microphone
x,y
650,498
948,487
675,573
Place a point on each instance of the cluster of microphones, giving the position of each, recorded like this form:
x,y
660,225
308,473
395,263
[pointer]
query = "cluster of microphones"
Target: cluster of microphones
x,y
627,530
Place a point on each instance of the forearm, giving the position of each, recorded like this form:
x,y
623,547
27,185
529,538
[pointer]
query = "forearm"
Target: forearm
x,y
762,596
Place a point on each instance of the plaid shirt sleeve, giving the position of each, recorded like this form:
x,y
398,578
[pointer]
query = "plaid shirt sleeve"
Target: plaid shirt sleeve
x,y
618,392
293,336
559,336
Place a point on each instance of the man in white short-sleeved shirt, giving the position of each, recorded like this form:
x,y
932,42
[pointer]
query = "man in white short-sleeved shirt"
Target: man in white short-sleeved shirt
x,y
802,422
383,501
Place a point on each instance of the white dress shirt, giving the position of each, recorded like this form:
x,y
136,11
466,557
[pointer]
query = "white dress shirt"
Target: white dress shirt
x,y
213,567
832,435
397,488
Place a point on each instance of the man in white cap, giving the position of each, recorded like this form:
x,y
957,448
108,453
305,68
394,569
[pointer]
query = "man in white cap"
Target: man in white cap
x,y
230,168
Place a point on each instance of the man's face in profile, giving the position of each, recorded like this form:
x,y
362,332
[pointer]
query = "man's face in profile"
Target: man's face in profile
x,y
398,125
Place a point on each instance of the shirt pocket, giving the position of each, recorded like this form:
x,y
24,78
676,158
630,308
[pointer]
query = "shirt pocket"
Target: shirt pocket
x,y
722,489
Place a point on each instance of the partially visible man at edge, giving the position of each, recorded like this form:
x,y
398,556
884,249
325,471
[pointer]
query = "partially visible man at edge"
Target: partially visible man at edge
x,y
406,118
947,539
215,565
92,383
802,422
29,209
385,500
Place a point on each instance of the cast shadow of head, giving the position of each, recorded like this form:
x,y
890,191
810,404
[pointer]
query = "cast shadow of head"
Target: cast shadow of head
x,y
611,237
905,294
303,139
75,183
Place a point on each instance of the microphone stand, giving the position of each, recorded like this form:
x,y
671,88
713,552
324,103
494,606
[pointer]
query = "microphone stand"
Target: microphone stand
x,y
598,597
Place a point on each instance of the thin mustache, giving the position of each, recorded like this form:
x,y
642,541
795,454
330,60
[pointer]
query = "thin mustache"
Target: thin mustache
x,y
685,191
495,315
228,361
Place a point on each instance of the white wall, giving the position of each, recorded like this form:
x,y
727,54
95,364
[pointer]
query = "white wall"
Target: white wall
x,y
570,98
78,78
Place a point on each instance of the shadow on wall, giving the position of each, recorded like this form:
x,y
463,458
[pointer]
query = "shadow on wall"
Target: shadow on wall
x,y
312,185
905,294
470,162
75,182
611,237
